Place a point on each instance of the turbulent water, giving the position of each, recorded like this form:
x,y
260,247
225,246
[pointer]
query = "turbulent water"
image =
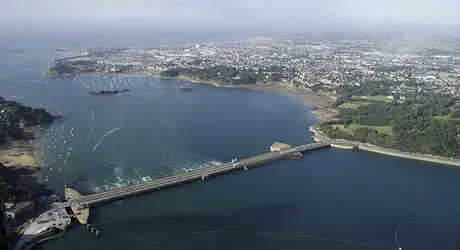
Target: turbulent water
x,y
329,200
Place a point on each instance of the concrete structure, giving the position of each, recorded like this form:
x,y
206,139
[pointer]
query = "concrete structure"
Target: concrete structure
x,y
19,210
277,146
3,242
347,146
81,211
196,175
8,205
35,228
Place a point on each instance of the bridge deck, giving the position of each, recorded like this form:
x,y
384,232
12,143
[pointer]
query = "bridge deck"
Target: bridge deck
x,y
191,176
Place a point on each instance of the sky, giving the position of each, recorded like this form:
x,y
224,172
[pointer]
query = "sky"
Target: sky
x,y
222,13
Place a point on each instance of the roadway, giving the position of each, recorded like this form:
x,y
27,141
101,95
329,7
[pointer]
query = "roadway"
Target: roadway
x,y
199,174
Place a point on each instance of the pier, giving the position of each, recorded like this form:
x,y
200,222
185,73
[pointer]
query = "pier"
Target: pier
x,y
82,203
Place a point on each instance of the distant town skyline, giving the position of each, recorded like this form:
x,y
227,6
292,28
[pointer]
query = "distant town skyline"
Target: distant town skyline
x,y
223,13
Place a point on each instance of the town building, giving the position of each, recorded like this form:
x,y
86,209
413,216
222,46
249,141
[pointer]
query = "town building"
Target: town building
x,y
19,210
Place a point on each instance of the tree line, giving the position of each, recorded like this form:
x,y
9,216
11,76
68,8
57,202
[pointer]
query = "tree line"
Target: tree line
x,y
13,190
413,124
14,114
224,74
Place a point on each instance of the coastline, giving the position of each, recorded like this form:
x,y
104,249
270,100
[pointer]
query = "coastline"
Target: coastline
x,y
320,101
319,135
36,244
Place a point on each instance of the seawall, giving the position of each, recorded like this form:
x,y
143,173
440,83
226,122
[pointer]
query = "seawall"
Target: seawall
x,y
342,144
34,245
395,153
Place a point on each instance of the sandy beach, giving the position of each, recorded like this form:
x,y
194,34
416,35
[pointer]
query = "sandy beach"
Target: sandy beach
x,y
20,153
320,101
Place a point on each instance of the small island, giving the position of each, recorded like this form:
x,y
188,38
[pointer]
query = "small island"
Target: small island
x,y
108,92
187,88
17,51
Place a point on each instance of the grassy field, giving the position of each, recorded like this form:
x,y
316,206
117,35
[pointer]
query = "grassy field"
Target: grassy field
x,y
355,104
374,98
444,117
388,130
342,127
352,105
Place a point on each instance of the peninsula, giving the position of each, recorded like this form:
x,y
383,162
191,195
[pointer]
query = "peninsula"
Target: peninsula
x,y
73,68
19,188
18,123
15,118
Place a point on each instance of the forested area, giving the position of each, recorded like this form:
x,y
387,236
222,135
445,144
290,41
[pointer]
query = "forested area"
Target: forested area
x,y
414,125
371,88
13,114
226,75
71,67
14,190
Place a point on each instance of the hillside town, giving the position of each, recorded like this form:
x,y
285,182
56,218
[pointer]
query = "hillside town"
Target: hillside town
x,y
326,63
396,92
389,95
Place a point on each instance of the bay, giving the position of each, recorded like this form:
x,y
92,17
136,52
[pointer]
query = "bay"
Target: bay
x,y
331,199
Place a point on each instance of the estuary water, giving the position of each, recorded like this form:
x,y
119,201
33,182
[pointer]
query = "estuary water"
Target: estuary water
x,y
331,199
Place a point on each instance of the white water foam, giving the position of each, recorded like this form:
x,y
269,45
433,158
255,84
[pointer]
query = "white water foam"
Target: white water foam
x,y
146,178
183,168
121,179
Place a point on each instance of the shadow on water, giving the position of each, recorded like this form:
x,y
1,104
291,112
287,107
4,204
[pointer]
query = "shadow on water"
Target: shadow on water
x,y
26,180
250,218
94,214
